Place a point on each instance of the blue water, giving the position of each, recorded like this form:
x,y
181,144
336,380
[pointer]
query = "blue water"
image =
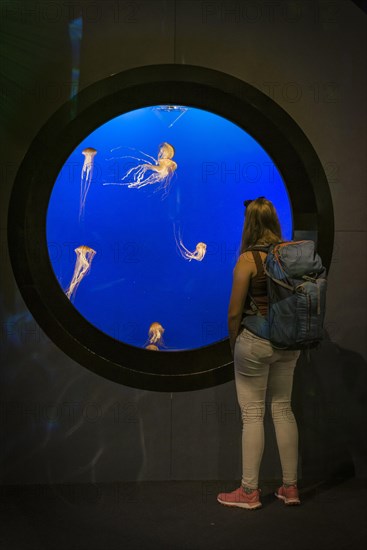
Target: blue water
x,y
137,276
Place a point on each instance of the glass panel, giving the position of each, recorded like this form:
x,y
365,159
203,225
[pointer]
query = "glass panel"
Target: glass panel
x,y
145,219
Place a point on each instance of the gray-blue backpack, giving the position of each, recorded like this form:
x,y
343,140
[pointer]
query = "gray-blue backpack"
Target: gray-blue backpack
x,y
296,288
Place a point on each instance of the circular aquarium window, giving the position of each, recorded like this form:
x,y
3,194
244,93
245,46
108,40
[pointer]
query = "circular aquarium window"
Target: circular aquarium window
x,y
126,216
145,219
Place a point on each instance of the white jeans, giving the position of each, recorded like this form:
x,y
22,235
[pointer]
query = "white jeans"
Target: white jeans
x,y
260,368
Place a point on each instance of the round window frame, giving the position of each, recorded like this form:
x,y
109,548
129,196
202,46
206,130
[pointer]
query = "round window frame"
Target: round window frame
x,y
199,87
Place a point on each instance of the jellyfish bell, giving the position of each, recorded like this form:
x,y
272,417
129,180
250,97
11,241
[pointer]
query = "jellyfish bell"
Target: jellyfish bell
x,y
85,251
198,254
84,257
152,347
89,152
166,151
201,249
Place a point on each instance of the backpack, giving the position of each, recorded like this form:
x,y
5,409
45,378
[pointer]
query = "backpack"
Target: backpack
x,y
296,288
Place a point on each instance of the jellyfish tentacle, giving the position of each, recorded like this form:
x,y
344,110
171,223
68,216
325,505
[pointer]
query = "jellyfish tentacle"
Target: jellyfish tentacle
x,y
177,237
126,157
83,263
132,149
86,177
137,176
185,253
198,253
129,172
155,336
161,171
166,183
146,154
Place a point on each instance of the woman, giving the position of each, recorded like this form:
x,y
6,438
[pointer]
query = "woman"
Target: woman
x,y
260,367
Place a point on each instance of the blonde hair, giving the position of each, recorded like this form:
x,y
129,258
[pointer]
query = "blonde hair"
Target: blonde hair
x,y
261,225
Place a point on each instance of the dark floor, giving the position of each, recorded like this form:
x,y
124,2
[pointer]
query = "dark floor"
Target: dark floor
x,y
180,515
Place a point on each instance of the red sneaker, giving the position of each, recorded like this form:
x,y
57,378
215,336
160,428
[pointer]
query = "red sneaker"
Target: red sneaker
x,y
289,495
240,498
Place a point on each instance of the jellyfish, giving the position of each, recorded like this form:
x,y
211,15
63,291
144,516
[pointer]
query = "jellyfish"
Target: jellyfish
x,y
198,253
84,257
86,177
152,347
155,334
162,170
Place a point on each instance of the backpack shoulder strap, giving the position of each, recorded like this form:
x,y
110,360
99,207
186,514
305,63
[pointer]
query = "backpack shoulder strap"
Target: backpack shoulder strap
x,y
263,247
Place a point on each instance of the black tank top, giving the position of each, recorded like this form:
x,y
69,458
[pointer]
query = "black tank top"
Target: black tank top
x,y
257,288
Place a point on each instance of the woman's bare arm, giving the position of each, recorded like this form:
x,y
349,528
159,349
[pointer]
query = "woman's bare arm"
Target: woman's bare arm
x,y
242,274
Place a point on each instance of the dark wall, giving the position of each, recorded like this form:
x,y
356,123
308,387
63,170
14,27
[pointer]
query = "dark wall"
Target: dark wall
x,y
61,423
